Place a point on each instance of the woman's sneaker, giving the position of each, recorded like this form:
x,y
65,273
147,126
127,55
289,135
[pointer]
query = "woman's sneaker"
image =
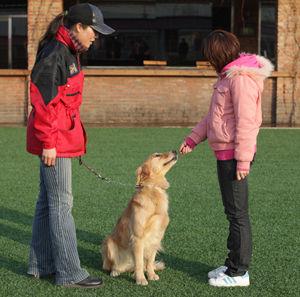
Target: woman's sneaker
x,y
224,280
214,273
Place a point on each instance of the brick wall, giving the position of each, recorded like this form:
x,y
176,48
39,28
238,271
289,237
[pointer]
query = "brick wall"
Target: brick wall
x,y
288,48
141,99
13,104
145,100
39,13
153,101
178,99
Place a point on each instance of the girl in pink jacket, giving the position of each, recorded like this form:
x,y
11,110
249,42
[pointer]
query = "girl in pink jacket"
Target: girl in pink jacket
x,y
231,128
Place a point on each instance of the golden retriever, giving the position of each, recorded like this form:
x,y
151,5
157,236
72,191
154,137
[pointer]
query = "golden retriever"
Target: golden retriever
x,y
137,237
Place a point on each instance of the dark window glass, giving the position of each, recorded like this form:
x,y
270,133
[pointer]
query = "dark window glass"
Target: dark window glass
x,y
13,34
245,27
268,30
13,7
19,43
156,30
3,44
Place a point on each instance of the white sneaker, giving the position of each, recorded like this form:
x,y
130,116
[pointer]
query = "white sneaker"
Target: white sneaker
x,y
214,273
224,280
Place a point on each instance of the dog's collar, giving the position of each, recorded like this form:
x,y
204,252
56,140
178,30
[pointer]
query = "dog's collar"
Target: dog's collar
x,y
139,187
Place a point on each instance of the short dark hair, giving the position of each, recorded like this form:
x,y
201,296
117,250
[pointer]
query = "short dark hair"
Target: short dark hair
x,y
220,48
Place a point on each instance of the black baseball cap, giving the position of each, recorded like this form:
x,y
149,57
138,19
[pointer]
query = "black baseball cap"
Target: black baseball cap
x,y
90,15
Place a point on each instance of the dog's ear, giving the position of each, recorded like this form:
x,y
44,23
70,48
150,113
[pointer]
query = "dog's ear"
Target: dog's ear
x,y
142,173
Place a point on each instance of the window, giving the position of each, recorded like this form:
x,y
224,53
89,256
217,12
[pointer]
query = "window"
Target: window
x,y
173,30
268,29
13,35
156,30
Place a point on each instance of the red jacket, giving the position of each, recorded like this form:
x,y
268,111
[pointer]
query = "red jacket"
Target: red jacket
x,y
56,95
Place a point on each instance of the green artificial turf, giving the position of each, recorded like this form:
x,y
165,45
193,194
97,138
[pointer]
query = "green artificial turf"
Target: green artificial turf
x,y
195,241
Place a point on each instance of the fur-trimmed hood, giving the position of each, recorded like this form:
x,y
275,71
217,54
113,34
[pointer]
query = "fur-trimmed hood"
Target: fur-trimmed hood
x,y
249,64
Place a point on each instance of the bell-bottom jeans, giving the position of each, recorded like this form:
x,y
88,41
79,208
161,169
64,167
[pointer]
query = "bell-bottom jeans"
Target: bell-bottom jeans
x,y
54,245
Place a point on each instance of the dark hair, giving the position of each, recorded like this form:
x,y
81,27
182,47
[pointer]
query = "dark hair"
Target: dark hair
x,y
60,19
220,48
51,30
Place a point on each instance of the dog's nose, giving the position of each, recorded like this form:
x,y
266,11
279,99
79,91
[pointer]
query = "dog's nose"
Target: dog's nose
x,y
174,152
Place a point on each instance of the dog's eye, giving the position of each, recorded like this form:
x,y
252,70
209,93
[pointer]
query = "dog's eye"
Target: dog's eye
x,y
157,155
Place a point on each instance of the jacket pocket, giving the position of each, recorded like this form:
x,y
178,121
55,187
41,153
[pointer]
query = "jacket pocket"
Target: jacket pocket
x,y
220,95
72,96
219,101
72,140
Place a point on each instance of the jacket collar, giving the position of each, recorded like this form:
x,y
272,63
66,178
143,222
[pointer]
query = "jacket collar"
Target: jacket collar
x,y
63,36
248,64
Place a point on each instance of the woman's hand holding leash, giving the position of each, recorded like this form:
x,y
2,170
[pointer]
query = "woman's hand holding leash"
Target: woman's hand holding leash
x,y
49,156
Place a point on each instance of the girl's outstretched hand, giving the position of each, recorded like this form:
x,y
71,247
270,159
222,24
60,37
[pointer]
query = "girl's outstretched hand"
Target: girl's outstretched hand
x,y
184,149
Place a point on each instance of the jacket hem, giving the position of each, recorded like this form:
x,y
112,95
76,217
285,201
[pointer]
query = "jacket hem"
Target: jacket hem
x,y
59,155
222,146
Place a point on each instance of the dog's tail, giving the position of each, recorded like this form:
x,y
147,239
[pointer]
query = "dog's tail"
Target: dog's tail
x,y
159,265
108,254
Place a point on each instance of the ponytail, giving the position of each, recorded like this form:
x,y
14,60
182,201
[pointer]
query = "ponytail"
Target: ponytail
x,y
51,30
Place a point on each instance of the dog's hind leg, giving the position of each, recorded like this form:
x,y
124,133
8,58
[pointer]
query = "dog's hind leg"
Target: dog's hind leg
x,y
109,256
107,263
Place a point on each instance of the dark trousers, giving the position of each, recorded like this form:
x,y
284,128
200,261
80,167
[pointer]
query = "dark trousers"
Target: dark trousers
x,y
235,201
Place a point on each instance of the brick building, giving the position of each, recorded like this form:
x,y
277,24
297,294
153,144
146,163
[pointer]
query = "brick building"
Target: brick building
x,y
122,90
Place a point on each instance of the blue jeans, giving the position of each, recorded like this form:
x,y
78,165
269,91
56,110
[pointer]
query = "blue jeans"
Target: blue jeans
x,y
235,201
54,244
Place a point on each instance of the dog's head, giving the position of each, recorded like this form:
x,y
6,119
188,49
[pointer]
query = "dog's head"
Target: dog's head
x,y
154,169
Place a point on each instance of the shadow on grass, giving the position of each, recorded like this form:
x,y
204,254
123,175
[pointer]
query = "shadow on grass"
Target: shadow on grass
x,y
20,268
89,257
194,269
13,265
20,218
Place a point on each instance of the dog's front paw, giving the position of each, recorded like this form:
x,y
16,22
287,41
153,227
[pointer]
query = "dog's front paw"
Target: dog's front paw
x,y
153,276
114,273
141,281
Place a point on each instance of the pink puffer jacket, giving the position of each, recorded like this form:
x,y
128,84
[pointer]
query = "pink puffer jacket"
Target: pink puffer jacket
x,y
234,116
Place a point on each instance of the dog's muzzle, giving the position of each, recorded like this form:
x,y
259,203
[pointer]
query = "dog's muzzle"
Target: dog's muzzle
x,y
175,158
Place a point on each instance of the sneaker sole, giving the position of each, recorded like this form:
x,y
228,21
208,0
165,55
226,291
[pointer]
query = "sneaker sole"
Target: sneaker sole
x,y
230,286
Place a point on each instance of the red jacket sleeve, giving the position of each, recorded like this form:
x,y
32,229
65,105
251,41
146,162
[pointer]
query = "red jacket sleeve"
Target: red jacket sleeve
x,y
44,91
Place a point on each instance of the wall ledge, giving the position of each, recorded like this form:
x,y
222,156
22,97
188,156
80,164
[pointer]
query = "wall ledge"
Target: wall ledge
x,y
159,72
141,71
14,72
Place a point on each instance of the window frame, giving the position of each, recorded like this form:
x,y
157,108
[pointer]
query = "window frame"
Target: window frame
x,y
8,18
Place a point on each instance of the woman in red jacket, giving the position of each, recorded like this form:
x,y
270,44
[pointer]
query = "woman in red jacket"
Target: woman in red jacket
x,y
56,134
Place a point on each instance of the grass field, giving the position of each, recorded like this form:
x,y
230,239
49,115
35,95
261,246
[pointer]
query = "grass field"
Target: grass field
x,y
195,240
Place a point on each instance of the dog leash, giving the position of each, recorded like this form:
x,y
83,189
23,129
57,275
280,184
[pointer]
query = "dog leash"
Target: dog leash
x,y
99,175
